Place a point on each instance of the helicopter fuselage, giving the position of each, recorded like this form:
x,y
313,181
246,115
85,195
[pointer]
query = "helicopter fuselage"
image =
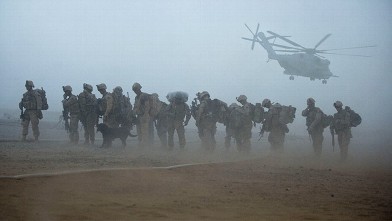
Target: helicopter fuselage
x,y
303,64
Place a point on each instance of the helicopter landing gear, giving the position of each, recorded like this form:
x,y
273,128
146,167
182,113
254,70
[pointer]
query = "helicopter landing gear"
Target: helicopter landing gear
x,y
324,81
291,77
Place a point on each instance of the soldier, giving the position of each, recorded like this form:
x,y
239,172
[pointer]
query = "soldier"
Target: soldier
x,y
144,122
32,102
314,125
107,103
122,108
341,126
88,114
178,111
229,128
71,106
273,125
195,109
161,122
205,122
244,133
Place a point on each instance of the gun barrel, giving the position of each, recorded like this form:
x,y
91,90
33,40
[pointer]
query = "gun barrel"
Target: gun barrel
x,y
333,141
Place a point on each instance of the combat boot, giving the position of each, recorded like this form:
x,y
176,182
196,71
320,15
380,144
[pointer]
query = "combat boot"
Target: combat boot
x,y
24,138
35,138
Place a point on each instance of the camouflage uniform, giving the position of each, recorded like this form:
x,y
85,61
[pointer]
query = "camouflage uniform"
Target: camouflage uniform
x,y
243,134
341,126
272,124
206,123
32,102
122,108
144,121
314,125
71,105
229,128
108,102
162,123
177,112
88,114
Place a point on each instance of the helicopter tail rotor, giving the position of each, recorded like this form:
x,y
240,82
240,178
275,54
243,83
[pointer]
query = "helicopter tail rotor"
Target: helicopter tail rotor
x,y
255,38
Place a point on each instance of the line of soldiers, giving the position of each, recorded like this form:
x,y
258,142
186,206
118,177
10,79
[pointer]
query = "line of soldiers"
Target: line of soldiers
x,y
340,123
148,112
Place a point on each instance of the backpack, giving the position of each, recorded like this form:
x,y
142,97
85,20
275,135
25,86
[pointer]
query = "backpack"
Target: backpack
x,y
287,114
218,109
177,95
44,100
155,105
355,118
236,118
257,113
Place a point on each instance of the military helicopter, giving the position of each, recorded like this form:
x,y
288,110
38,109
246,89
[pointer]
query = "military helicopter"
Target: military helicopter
x,y
306,62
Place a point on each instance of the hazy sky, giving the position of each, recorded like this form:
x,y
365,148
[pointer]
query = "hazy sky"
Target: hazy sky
x,y
195,46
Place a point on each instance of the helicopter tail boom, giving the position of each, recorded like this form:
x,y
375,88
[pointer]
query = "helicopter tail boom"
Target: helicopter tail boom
x,y
263,42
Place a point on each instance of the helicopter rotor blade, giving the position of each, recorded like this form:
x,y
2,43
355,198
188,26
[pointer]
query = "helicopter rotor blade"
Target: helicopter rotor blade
x,y
274,37
249,29
293,51
336,49
248,39
321,41
352,55
287,40
283,46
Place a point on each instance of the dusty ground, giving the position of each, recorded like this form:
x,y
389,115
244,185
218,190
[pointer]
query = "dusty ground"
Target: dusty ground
x,y
52,180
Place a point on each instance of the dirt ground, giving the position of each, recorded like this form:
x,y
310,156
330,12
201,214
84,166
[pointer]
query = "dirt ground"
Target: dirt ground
x,y
53,180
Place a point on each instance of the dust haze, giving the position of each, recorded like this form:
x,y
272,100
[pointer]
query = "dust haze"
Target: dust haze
x,y
195,46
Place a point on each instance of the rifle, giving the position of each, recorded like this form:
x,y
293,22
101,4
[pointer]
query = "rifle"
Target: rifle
x,y
262,130
22,117
261,133
21,110
194,107
66,122
333,140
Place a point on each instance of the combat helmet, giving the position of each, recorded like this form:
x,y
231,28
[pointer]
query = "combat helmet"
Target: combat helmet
x,y
310,101
29,83
136,86
338,104
203,94
118,90
233,106
67,88
241,98
265,102
87,87
101,86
